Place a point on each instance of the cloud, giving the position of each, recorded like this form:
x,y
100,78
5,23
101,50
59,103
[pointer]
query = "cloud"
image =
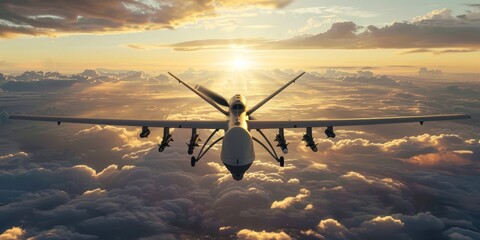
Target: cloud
x,y
456,233
332,229
380,228
293,181
62,232
263,235
474,5
398,226
423,149
437,29
72,181
289,201
438,52
209,44
55,18
348,35
14,155
13,233
45,85
426,72
364,77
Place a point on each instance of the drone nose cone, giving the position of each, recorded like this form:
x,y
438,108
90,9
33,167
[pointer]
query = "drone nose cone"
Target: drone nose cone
x,y
237,176
237,171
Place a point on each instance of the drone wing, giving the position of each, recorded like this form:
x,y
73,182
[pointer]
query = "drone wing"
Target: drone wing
x,y
260,104
259,124
200,124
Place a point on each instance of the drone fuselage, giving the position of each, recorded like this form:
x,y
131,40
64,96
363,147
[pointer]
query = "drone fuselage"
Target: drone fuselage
x,y
237,147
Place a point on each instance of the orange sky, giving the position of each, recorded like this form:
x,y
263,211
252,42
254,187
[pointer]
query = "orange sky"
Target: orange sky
x,y
241,35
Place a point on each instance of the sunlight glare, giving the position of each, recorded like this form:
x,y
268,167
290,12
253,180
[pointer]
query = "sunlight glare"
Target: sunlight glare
x,y
241,64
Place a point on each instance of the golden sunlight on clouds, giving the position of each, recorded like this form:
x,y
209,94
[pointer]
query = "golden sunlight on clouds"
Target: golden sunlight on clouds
x,y
289,201
14,233
153,35
248,234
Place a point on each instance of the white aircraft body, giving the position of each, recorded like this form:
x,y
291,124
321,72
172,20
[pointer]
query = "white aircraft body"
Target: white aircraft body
x,y
237,152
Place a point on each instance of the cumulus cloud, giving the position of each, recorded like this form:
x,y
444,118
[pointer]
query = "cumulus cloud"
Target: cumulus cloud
x,y
289,201
13,233
332,229
423,149
63,17
419,226
380,228
263,235
293,181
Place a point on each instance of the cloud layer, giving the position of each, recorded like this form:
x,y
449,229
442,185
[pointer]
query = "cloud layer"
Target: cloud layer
x,y
379,182
437,29
54,18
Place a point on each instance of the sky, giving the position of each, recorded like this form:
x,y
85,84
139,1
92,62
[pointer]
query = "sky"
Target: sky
x,y
108,59
153,35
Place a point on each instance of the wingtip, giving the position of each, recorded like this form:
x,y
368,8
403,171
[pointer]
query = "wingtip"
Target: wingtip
x,y
171,74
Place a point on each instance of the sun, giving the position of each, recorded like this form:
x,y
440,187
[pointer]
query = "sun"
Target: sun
x,y
241,64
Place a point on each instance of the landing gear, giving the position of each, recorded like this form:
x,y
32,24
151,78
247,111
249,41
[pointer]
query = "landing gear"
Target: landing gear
x,y
270,150
202,153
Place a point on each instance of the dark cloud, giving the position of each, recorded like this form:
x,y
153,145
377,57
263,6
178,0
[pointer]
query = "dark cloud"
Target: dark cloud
x,y
429,72
54,18
398,226
62,232
439,52
45,85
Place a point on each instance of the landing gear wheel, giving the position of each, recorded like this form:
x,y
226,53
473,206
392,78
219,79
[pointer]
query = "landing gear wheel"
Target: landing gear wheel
x,y
193,161
282,161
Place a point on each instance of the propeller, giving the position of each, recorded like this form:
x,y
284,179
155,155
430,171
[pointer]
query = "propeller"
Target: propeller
x,y
212,95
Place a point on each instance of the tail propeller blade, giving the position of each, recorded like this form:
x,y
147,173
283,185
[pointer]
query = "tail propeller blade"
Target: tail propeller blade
x,y
212,95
